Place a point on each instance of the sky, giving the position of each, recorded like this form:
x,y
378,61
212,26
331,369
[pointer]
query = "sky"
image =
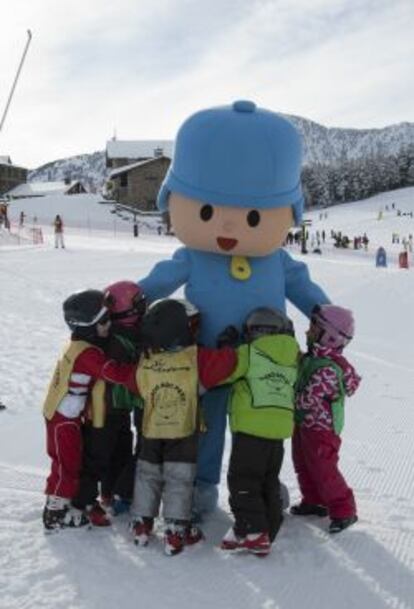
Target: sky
x,y
138,68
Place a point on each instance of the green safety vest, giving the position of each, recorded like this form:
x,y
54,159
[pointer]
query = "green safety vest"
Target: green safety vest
x,y
307,367
262,396
122,398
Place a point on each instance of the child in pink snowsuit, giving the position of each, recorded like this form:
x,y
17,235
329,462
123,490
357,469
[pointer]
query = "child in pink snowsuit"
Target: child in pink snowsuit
x,y
325,378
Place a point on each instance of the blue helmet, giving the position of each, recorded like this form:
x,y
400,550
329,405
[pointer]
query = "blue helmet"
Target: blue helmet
x,y
237,155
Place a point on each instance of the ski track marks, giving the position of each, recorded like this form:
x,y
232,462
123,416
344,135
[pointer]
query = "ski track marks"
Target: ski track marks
x,y
67,569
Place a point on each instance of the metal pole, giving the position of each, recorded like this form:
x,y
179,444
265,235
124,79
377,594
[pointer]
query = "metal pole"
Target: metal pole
x,y
19,69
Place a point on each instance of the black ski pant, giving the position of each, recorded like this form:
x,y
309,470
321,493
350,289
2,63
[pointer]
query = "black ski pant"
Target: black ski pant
x,y
120,459
253,482
108,458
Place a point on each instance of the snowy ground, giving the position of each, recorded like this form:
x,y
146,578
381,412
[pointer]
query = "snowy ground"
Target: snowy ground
x,y
371,566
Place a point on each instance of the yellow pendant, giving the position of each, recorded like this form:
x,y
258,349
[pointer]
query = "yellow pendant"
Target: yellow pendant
x,y
240,268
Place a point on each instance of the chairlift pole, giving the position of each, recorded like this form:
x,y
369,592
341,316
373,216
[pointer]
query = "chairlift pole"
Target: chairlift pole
x,y
16,78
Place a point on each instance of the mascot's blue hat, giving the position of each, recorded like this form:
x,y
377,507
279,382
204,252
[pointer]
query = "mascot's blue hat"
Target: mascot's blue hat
x,y
237,155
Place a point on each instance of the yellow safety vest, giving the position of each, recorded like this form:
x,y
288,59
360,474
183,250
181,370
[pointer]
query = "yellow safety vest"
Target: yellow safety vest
x,y
59,384
168,384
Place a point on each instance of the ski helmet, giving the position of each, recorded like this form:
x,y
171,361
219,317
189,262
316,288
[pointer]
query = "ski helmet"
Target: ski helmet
x,y
84,310
126,302
334,325
193,316
166,325
264,320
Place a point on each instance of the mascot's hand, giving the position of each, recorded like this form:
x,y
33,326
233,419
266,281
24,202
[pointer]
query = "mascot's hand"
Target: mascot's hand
x,y
228,338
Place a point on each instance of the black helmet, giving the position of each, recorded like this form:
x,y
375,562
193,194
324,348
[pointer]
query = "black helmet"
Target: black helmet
x,y
83,310
265,320
166,325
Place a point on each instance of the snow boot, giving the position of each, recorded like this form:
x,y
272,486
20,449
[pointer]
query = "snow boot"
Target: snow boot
x,y
308,509
75,518
174,539
339,524
54,512
257,543
98,516
193,534
232,542
141,530
120,505
254,543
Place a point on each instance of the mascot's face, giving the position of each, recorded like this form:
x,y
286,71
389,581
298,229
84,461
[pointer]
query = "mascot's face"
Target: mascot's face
x,y
231,231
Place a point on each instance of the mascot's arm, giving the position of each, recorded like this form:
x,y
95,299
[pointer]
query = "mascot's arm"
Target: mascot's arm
x,y
300,289
167,276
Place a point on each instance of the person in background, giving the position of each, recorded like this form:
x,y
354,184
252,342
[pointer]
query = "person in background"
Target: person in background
x,y
58,228
325,378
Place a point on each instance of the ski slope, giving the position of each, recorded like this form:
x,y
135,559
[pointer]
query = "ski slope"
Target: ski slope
x,y
370,566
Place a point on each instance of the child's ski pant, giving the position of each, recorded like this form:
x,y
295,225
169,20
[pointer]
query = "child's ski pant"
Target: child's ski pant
x,y
64,447
253,482
165,471
315,457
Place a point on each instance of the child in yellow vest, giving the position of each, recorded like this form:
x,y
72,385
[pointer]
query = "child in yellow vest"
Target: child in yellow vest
x,y
72,391
169,378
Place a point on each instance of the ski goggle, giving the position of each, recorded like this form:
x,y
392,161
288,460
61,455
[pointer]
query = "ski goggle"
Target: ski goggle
x,y
138,306
102,317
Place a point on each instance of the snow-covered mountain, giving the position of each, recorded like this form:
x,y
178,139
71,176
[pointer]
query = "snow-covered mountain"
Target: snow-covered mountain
x,y
90,168
321,145
332,145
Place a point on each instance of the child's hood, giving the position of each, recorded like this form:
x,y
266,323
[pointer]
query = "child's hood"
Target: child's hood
x,y
351,377
282,348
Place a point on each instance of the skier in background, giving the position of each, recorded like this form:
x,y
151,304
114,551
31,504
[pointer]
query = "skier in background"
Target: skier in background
x,y
58,227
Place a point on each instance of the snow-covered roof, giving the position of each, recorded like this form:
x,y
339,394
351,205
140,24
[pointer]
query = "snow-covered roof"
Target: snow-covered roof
x,y
5,160
125,168
138,149
40,189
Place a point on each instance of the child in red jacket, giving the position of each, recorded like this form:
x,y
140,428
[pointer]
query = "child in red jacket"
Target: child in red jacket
x,y
74,393
325,378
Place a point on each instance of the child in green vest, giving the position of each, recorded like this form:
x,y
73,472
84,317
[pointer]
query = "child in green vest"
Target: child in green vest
x,y
325,378
261,417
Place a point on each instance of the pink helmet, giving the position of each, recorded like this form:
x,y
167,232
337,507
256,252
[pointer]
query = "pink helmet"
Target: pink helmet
x,y
126,302
335,324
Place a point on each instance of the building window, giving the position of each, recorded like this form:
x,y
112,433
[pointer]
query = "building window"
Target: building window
x,y
123,180
151,178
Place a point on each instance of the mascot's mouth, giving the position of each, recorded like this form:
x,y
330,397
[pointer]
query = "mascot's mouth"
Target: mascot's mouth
x,y
226,244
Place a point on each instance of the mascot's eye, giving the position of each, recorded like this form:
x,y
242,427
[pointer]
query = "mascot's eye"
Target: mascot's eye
x,y
253,218
206,212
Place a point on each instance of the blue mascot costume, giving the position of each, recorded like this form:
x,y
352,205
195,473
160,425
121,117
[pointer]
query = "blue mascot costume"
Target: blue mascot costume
x,y
233,191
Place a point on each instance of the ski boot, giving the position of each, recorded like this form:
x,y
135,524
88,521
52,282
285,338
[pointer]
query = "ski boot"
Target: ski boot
x,y
174,539
98,516
54,512
339,524
141,530
308,509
